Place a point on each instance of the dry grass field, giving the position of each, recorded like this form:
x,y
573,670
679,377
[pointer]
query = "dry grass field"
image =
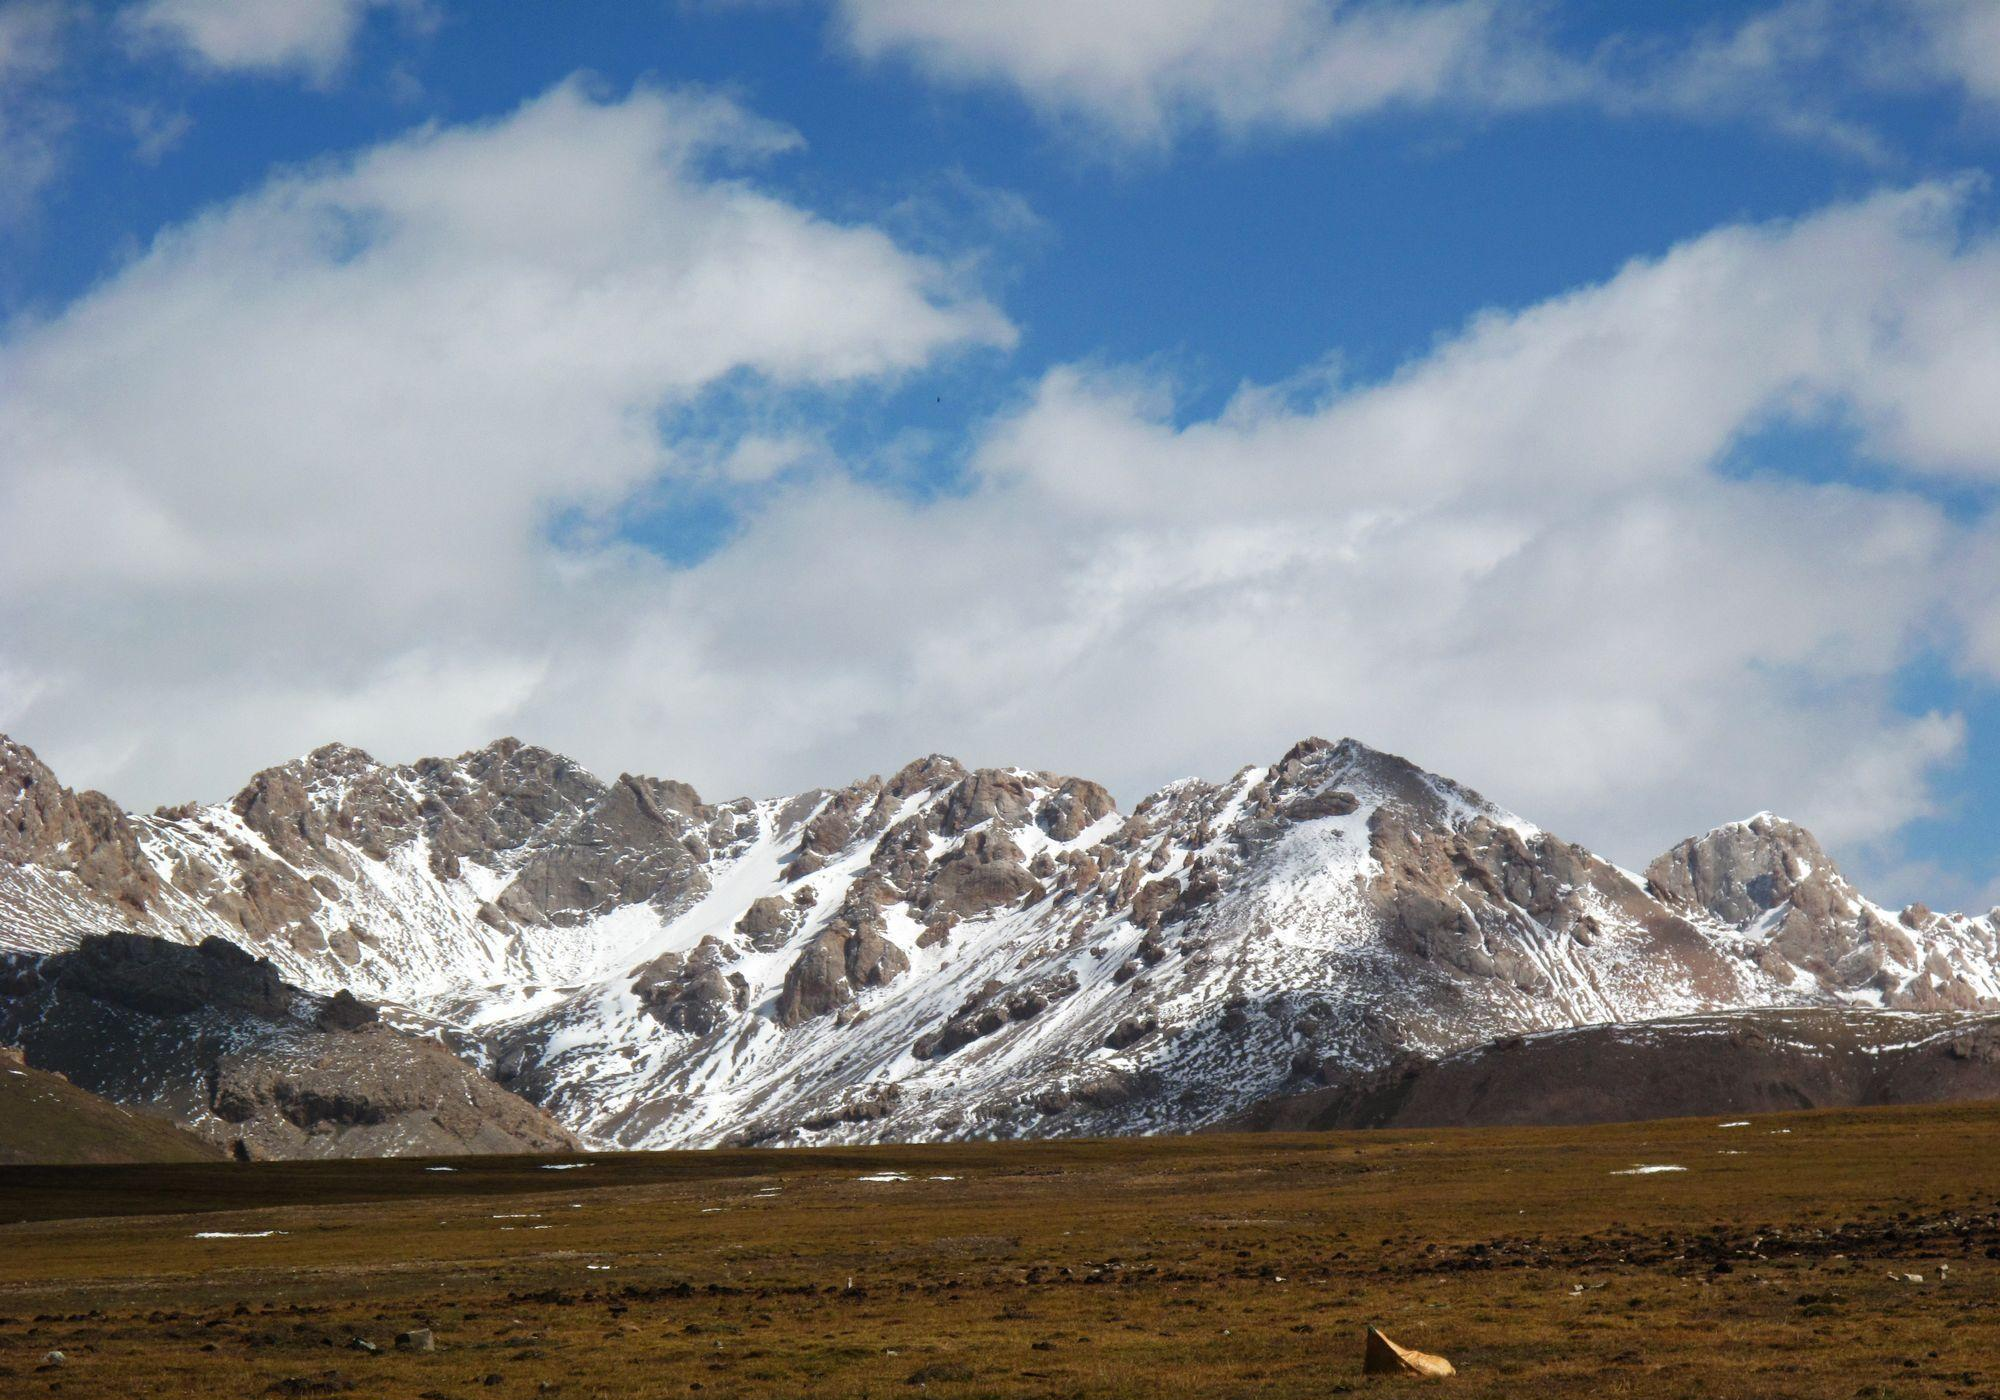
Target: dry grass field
x,y
1775,1264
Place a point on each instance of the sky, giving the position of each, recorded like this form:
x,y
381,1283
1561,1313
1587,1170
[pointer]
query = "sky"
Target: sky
x,y
1597,403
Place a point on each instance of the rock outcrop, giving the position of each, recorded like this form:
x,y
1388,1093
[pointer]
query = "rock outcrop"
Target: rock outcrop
x,y
45,826
1769,882
214,1039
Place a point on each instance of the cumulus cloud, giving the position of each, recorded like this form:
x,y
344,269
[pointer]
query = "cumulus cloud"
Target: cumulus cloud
x,y
1520,560
309,38
320,438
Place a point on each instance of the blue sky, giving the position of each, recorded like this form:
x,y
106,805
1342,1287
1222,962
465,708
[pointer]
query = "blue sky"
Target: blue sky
x,y
1589,411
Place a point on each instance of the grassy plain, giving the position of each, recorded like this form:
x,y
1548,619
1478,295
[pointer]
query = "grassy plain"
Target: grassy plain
x,y
1203,1266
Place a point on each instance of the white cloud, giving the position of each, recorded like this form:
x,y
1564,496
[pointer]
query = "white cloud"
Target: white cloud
x,y
1799,66
1141,68
1515,560
312,38
320,435
155,131
32,121
1961,40
296,473
1142,71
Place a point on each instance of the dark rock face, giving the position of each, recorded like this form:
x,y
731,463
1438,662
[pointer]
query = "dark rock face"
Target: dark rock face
x,y
870,959
165,979
278,804
926,774
868,1107
343,1011
992,1009
211,1037
1467,900
1308,807
766,917
1078,805
1153,899
1131,1031
842,959
838,821
816,982
986,795
502,798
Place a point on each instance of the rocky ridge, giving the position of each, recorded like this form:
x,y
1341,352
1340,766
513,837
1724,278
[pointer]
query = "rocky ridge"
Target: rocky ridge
x,y
1726,1064
952,952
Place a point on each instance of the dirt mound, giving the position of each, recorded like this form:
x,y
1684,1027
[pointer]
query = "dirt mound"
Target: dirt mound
x,y
1725,1063
46,1120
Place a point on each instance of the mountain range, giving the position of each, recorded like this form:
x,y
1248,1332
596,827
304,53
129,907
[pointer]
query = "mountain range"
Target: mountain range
x,y
943,953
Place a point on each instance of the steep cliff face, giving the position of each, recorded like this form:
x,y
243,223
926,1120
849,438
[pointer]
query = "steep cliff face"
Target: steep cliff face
x,y
1768,882
56,843
954,952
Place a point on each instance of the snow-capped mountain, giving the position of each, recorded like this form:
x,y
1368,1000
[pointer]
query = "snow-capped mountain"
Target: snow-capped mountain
x,y
951,952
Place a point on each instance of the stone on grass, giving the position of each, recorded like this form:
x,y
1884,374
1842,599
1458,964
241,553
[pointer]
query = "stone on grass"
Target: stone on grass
x,y
1385,1358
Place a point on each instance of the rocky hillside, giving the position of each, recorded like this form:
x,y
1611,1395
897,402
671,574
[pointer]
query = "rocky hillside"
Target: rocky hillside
x,y
46,1120
1720,1063
213,1038
1769,884
953,952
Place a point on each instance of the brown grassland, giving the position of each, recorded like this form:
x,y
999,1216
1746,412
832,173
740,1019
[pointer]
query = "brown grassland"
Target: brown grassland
x,y
1200,1266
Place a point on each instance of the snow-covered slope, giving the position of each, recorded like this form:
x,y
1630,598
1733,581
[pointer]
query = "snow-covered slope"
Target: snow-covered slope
x,y
952,953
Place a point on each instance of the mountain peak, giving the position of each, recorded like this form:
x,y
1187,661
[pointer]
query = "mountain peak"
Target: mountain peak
x,y
933,770
337,758
1377,774
1740,869
22,763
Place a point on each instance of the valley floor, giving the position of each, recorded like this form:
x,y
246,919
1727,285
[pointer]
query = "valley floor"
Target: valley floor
x,y
1540,1261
